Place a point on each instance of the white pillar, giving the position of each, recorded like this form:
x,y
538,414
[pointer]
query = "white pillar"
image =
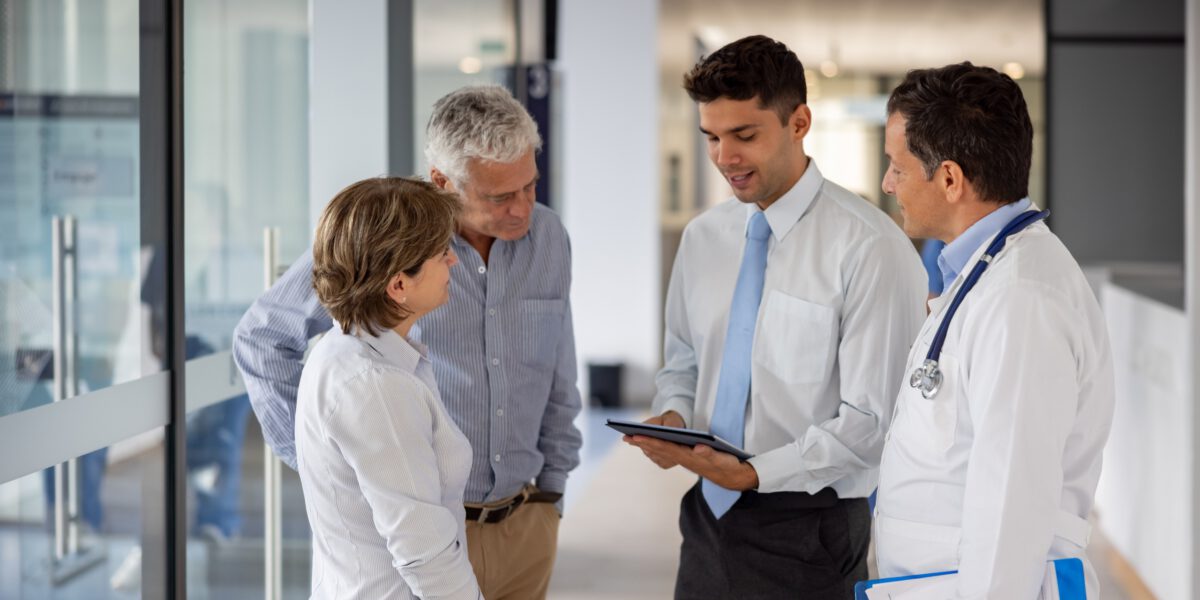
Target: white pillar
x,y
348,79
610,182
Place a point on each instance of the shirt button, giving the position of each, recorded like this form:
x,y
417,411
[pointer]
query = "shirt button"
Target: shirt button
x,y
482,269
491,312
496,458
499,412
495,362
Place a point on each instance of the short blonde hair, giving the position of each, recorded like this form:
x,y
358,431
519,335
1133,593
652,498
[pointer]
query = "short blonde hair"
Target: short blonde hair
x,y
370,232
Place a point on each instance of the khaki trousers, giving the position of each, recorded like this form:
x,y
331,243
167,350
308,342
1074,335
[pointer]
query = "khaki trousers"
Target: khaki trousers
x,y
513,559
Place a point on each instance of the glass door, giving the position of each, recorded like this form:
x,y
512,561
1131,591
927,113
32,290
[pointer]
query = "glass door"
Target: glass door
x,y
84,392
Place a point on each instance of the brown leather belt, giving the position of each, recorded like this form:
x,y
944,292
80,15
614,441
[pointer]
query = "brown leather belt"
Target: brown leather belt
x,y
494,513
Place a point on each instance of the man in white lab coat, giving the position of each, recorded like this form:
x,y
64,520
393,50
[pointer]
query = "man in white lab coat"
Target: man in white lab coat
x,y
995,473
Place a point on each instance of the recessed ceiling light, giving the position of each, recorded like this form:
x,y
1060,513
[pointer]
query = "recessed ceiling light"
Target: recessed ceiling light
x,y
470,65
712,36
1014,70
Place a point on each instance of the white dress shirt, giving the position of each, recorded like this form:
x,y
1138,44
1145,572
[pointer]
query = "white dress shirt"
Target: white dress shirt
x,y
995,475
843,299
383,468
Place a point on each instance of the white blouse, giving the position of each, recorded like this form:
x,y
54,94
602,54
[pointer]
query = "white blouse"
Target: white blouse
x,y
383,467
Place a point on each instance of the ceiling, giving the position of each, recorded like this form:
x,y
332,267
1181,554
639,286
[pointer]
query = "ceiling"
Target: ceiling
x,y
864,36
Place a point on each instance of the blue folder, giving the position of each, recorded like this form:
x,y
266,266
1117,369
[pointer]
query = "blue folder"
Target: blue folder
x,y
1068,571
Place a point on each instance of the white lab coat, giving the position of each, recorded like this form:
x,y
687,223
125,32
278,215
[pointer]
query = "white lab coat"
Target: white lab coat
x,y
996,474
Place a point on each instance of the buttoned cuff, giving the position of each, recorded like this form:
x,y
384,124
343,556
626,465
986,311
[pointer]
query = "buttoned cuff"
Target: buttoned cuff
x,y
777,471
681,406
548,481
556,483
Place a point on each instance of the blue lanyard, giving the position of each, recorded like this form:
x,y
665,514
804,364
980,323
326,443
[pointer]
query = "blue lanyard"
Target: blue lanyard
x,y
928,377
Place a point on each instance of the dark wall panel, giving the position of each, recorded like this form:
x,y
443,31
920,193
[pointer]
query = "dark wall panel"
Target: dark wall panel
x,y
1129,18
1116,152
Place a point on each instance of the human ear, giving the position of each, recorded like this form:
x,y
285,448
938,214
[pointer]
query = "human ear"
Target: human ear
x,y
439,179
800,122
950,178
397,288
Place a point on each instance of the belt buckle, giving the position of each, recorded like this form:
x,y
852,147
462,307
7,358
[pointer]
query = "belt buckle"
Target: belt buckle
x,y
507,509
483,514
502,513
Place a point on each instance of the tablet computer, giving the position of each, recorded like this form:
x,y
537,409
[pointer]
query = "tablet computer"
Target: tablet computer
x,y
687,437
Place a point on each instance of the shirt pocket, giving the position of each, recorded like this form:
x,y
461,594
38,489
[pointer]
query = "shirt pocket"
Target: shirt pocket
x,y
934,421
794,341
540,329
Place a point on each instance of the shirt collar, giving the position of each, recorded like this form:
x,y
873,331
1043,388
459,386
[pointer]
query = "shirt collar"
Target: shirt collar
x,y
785,212
393,348
955,255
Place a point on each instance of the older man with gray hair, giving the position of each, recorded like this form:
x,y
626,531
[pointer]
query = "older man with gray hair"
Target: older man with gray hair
x,y
503,347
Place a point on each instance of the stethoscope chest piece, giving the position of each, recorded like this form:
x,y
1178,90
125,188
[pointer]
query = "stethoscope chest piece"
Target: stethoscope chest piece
x,y
927,378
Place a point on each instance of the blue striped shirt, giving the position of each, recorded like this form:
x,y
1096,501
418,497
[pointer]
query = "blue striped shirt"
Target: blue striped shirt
x,y
503,353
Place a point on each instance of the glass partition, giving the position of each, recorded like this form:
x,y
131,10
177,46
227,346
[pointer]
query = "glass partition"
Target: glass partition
x,y
82,306
246,172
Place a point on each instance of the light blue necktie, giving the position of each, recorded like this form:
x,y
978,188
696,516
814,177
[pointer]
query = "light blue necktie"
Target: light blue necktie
x,y
733,388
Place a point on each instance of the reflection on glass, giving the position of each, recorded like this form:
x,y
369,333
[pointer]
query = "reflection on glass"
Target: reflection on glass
x,y
71,302
246,147
110,542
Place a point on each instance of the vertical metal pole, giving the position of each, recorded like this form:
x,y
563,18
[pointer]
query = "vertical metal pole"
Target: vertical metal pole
x,y
66,378
59,327
70,364
520,89
401,159
272,468
1191,259
160,171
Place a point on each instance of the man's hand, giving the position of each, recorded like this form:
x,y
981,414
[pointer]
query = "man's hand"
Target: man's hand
x,y
667,419
718,467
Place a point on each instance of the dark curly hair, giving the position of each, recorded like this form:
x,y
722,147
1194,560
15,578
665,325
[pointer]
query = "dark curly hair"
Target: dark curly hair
x,y
974,116
752,67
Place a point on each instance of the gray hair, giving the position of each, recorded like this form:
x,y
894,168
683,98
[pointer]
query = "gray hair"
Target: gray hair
x,y
482,122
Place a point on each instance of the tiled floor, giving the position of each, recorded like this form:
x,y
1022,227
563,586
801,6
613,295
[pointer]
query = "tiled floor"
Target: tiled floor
x,y
619,537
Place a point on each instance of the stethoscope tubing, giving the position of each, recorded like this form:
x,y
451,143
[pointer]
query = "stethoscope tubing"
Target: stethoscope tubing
x,y
927,377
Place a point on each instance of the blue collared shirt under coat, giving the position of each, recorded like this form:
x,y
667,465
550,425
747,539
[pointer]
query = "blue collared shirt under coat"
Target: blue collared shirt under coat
x,y
955,255
502,348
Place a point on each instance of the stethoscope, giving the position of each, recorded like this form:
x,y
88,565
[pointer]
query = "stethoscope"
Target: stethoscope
x,y
928,377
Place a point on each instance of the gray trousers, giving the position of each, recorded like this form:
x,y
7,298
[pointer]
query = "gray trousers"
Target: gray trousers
x,y
781,545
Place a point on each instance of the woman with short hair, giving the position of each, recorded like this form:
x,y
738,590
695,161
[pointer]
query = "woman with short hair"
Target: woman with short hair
x,y
383,466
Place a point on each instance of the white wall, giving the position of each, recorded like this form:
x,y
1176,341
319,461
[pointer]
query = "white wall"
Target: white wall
x,y
608,56
1146,482
348,97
